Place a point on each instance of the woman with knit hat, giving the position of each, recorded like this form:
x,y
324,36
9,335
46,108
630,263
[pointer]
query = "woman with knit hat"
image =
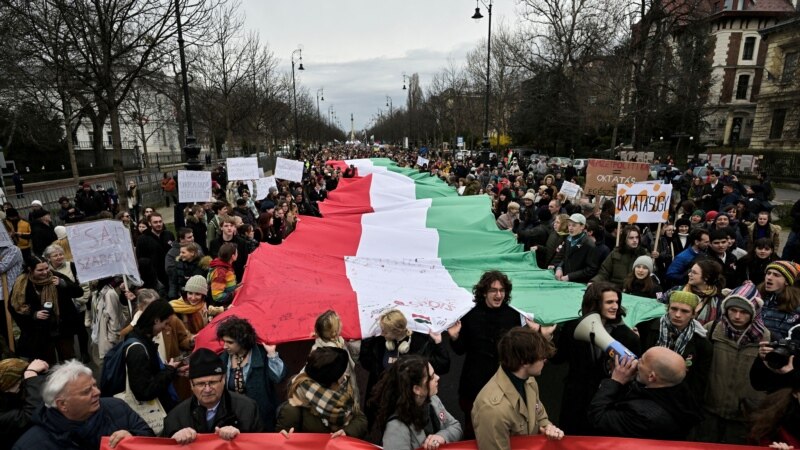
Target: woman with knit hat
x,y
735,339
781,298
641,281
21,385
680,332
191,306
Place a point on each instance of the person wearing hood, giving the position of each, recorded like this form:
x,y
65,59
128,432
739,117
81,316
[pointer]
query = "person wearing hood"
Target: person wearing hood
x,y
503,199
678,331
579,263
645,398
507,220
618,264
735,339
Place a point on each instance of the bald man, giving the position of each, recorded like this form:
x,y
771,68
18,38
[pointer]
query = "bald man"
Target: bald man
x,y
646,399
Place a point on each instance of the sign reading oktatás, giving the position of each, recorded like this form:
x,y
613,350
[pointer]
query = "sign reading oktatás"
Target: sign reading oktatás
x,y
603,175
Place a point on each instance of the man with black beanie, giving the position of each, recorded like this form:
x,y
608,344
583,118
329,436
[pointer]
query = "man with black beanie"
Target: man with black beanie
x,y
212,408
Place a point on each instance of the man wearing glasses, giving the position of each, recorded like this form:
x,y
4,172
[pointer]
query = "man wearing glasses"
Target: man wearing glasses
x,y
212,408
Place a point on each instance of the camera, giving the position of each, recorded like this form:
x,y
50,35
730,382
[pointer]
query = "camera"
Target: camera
x,y
782,350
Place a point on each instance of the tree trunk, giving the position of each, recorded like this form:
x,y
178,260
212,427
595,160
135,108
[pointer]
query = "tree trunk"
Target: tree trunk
x,y
144,144
73,161
116,137
98,127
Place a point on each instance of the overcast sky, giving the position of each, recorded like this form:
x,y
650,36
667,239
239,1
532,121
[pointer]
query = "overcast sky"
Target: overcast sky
x,y
357,50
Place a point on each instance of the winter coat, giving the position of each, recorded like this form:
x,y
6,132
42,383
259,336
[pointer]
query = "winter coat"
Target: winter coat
x,y
401,436
260,383
23,230
637,412
728,268
222,283
580,262
109,317
304,421
155,248
554,248
241,250
753,268
42,235
499,412
676,273
729,394
618,265
16,410
53,431
234,410
185,270
778,321
149,377
481,330
587,367
773,233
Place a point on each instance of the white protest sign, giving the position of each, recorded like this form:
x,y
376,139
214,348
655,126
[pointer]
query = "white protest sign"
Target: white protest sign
x,y
570,190
287,169
263,185
242,168
643,203
102,248
5,239
194,186
421,161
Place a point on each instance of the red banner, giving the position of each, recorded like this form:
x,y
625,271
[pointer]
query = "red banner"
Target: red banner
x,y
275,441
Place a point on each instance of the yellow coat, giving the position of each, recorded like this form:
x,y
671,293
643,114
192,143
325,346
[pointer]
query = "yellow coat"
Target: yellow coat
x,y
23,227
499,412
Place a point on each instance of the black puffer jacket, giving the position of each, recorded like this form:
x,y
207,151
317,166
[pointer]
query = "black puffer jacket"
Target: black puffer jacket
x,y
234,410
17,409
637,412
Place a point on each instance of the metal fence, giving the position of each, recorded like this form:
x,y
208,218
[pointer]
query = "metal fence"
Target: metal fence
x,y
781,166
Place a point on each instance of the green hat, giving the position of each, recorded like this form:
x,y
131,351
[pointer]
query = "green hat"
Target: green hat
x,y
684,297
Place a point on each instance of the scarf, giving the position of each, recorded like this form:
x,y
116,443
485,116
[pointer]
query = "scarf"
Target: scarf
x,y
753,334
351,365
333,407
708,308
575,241
47,293
195,316
670,337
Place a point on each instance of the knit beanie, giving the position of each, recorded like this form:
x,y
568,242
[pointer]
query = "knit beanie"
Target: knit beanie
x,y
197,284
203,363
683,221
644,260
684,297
61,232
711,215
699,213
11,371
785,268
745,297
327,364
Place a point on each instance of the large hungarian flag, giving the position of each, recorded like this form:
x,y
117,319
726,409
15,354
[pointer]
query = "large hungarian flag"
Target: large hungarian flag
x,y
395,238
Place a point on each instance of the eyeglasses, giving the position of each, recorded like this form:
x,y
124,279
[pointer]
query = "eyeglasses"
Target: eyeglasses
x,y
206,384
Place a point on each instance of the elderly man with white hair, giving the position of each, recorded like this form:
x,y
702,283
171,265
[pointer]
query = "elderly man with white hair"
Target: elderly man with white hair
x,y
75,417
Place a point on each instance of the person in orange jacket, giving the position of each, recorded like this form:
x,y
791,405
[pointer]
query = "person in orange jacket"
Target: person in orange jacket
x,y
169,188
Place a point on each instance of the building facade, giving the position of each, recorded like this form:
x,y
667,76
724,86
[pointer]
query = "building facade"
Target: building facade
x,y
738,62
777,117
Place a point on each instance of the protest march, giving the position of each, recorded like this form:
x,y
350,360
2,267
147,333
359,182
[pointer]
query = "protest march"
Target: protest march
x,y
361,297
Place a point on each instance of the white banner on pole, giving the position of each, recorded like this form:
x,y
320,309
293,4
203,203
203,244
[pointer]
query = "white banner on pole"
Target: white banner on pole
x,y
570,190
194,186
242,168
288,169
422,161
643,202
102,248
262,187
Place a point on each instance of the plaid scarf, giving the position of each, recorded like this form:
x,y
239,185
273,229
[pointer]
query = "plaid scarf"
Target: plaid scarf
x,y
708,309
670,337
333,407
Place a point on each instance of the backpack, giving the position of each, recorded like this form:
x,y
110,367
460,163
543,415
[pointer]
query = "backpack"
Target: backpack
x,y
112,377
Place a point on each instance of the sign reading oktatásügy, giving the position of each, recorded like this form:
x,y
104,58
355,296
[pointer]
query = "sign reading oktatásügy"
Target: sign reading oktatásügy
x,y
603,175
102,248
194,186
642,202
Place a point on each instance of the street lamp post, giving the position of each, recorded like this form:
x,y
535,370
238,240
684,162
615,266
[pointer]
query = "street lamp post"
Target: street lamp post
x,y
294,95
191,149
734,140
405,78
391,117
477,16
320,96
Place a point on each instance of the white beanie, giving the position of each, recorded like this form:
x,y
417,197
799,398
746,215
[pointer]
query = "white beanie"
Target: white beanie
x,y
644,260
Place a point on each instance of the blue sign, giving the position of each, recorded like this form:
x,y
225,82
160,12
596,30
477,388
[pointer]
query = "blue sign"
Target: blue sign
x,y
423,151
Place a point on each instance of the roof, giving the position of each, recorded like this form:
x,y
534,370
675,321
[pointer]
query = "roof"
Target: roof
x,y
759,8
781,26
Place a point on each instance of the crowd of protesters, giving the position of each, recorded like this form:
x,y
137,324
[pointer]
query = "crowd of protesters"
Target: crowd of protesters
x,y
707,370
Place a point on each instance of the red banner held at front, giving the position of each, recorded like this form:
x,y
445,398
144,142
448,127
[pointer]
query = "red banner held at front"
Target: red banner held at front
x,y
305,441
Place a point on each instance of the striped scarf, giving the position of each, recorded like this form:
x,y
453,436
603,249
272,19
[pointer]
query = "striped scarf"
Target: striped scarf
x,y
751,335
333,407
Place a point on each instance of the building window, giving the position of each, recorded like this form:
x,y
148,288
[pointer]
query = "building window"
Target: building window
x,y
741,87
789,66
716,7
110,138
776,129
749,48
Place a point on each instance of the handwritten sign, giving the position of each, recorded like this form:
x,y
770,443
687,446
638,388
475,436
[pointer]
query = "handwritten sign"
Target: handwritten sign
x,y
287,169
194,186
421,161
603,176
242,168
570,190
262,187
643,203
102,248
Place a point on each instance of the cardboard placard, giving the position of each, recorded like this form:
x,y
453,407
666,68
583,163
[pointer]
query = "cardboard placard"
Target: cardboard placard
x,y
242,168
288,169
262,187
102,248
421,161
642,203
603,175
570,190
194,186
